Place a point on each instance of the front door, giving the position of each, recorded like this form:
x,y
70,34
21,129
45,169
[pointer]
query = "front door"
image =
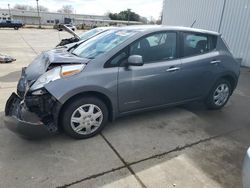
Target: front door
x,y
156,82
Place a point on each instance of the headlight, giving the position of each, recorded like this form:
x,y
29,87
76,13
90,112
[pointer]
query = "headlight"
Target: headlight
x,y
55,74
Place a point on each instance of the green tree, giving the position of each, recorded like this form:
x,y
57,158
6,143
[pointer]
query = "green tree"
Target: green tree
x,y
125,15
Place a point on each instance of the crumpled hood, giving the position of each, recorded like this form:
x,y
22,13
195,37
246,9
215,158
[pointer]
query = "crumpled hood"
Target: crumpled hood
x,y
55,57
62,56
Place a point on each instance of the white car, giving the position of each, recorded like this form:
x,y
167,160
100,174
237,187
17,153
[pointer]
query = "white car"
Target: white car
x,y
82,37
72,27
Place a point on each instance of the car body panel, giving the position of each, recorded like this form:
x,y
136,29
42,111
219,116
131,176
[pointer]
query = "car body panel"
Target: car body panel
x,y
198,74
137,86
246,170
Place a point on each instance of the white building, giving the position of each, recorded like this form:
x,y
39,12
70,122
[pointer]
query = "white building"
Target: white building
x,y
229,17
52,18
47,18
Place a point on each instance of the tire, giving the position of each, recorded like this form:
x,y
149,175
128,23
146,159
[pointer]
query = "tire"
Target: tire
x,y
77,114
16,28
212,102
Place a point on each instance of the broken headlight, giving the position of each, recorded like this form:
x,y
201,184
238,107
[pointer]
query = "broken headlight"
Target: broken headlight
x,y
55,74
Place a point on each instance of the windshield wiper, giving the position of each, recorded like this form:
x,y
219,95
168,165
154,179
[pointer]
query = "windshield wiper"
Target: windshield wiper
x,y
74,54
75,46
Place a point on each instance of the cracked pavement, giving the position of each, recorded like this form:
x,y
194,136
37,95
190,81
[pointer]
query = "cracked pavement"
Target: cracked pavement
x,y
185,147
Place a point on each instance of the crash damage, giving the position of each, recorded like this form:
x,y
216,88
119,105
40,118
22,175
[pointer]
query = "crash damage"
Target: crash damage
x,y
29,110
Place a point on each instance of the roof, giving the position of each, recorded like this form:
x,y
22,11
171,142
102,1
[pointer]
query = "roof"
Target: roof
x,y
175,28
109,21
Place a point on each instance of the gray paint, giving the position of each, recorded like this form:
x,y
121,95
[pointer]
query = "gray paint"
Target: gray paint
x,y
229,17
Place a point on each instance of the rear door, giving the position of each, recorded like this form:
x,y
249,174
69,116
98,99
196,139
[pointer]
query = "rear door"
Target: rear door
x,y
154,83
200,62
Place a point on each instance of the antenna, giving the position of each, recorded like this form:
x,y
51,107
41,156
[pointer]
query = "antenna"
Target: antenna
x,y
193,23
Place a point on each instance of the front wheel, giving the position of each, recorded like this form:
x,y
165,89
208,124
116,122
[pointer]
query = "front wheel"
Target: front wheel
x,y
219,95
84,117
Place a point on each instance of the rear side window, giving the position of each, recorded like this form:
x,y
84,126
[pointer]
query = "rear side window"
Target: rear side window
x,y
196,44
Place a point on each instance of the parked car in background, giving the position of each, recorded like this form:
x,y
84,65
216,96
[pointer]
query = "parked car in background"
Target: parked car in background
x,y
246,170
120,72
83,36
70,26
11,24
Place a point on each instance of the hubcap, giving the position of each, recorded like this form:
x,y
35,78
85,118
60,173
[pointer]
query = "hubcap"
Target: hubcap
x,y
221,94
86,119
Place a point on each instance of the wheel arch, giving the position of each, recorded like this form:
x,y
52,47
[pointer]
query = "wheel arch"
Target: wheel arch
x,y
106,99
231,79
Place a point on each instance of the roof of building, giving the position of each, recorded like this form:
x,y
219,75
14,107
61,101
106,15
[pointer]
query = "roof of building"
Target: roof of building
x,y
17,12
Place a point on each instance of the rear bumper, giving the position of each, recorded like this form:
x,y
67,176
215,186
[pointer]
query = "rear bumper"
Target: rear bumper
x,y
20,120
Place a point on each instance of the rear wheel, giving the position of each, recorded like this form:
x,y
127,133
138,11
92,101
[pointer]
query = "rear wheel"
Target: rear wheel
x,y
84,117
219,95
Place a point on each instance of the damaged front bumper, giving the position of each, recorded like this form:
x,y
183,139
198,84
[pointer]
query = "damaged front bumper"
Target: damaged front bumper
x,y
32,116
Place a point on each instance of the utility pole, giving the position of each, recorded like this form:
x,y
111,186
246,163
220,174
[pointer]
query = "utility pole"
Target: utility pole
x,y
9,10
129,15
38,13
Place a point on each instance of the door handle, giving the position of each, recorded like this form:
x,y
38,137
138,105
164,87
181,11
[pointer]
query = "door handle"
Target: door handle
x,y
172,69
215,61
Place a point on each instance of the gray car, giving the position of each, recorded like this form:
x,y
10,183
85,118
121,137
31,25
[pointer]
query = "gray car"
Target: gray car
x,y
246,170
120,72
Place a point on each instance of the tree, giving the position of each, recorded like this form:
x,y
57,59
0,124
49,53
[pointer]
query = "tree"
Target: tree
x,y
144,20
67,9
125,15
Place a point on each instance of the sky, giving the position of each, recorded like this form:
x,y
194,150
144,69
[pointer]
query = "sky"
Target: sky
x,y
146,8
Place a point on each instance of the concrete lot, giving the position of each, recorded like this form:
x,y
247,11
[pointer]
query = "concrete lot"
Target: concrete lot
x,y
184,147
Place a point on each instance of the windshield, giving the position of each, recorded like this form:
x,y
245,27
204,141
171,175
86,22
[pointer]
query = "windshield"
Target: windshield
x,y
88,34
102,43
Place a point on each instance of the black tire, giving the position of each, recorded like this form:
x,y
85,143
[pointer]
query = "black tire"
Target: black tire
x,y
210,102
16,28
75,104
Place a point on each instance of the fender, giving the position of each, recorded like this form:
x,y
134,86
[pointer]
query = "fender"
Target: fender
x,y
80,90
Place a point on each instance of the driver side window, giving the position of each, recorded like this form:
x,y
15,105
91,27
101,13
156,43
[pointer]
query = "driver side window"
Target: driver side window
x,y
155,47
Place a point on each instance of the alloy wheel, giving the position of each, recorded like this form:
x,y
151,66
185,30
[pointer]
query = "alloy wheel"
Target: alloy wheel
x,y
221,94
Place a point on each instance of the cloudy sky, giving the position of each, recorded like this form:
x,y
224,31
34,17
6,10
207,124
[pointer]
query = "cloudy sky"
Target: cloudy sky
x,y
145,8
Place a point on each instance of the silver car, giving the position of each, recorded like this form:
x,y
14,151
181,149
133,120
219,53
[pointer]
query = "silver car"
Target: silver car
x,y
246,170
120,72
78,39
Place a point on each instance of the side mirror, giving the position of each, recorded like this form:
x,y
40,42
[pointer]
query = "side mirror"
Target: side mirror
x,y
135,60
